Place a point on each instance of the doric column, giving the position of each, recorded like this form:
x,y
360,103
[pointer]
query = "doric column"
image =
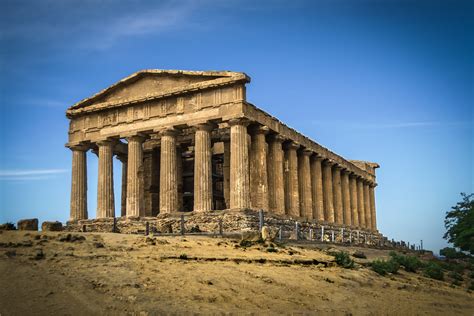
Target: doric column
x,y
372,206
135,193
317,188
276,183
354,205
337,193
258,169
239,164
360,202
226,171
327,192
105,185
367,210
168,172
346,197
123,197
203,168
78,207
292,197
304,177
179,177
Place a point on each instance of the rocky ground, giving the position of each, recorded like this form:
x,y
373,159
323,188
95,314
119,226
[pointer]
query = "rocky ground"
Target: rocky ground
x,y
115,274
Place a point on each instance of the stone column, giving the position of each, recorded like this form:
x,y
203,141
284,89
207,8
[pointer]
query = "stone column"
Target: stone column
x,y
354,205
292,196
258,169
226,171
203,168
372,206
337,193
276,183
367,210
123,197
327,192
105,185
304,177
360,202
179,177
168,172
346,198
78,206
317,188
135,193
239,164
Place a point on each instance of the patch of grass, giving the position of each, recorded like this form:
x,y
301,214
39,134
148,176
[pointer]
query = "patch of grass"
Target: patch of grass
x,y
383,267
344,260
183,256
434,271
410,263
455,276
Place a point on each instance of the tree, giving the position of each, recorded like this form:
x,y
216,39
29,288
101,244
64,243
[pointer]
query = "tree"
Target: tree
x,y
459,223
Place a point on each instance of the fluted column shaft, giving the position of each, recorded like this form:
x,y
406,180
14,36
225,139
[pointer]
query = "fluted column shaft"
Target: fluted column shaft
x,y
317,188
258,169
304,177
361,203
346,198
367,210
226,171
327,192
105,185
78,206
168,172
203,169
372,206
292,197
135,192
354,203
239,165
275,175
337,194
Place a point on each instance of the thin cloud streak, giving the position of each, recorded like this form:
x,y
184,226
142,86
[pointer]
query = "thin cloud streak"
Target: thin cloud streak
x,y
37,174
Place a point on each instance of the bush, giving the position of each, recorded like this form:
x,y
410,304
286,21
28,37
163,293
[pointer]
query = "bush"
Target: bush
x,y
451,253
434,271
183,256
343,259
383,267
410,263
455,276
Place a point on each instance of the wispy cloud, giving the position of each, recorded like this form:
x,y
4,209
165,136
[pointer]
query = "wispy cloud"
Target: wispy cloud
x,y
394,125
32,174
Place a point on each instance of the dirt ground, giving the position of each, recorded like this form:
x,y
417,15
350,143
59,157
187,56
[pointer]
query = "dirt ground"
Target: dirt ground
x,y
114,274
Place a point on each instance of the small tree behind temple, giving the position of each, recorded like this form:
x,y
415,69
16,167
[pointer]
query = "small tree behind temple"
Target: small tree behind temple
x,y
459,223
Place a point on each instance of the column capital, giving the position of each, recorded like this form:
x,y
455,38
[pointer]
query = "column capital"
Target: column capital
x,y
259,129
136,137
207,127
372,184
276,138
78,147
306,152
292,145
239,121
317,157
106,142
346,171
329,162
338,167
170,131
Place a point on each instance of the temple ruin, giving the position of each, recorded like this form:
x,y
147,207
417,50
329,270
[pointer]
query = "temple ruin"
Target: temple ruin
x,y
189,141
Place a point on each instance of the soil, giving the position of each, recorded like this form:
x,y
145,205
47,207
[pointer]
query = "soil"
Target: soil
x,y
45,273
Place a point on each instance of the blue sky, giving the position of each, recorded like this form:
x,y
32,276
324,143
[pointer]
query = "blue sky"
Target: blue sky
x,y
384,81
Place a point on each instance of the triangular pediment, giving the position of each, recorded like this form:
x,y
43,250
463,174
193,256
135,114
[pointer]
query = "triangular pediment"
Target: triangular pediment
x,y
153,83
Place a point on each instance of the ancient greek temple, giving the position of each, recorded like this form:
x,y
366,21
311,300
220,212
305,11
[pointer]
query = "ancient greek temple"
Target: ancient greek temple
x,y
189,141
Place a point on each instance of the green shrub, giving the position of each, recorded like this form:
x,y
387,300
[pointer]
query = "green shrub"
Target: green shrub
x,y
183,256
455,276
410,263
383,267
344,260
434,271
451,253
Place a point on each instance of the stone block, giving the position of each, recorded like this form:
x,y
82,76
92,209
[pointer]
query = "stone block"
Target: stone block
x,y
52,226
28,224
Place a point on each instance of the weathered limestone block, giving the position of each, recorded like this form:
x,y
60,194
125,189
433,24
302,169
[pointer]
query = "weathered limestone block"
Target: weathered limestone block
x,y
27,224
52,226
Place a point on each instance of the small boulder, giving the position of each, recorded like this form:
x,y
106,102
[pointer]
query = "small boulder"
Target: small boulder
x,y
52,226
269,234
28,224
165,228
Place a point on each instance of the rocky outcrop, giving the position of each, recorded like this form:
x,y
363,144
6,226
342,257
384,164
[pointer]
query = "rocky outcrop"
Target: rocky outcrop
x,y
52,226
28,224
